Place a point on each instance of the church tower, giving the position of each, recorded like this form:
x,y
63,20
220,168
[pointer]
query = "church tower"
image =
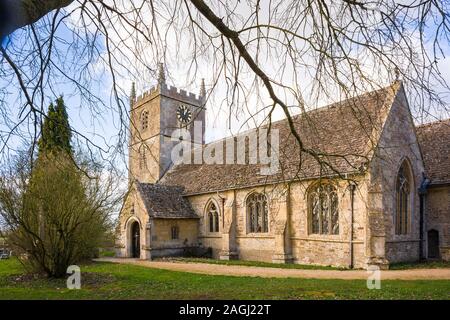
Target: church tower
x,y
153,118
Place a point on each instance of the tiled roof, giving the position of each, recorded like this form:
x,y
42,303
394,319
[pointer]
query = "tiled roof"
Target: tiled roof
x,y
434,140
165,201
340,132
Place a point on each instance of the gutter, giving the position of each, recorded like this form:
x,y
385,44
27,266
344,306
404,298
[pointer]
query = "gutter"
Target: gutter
x,y
274,183
438,184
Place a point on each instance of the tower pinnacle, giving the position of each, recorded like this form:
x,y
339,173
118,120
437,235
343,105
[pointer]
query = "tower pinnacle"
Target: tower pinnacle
x,y
161,75
132,94
202,89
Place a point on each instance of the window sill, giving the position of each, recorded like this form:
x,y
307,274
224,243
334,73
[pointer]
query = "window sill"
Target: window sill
x,y
257,235
324,236
212,235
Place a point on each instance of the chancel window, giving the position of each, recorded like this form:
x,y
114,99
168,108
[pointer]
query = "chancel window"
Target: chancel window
x,y
144,120
323,209
213,218
175,233
403,196
257,213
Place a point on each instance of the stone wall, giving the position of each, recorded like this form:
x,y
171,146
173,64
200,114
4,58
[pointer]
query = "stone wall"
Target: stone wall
x,y
437,214
161,103
133,210
397,144
155,234
162,244
148,138
288,238
329,249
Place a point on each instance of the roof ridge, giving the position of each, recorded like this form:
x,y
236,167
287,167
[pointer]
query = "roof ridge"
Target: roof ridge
x,y
319,109
432,123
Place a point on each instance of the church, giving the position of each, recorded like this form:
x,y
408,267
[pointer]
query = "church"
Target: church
x,y
376,192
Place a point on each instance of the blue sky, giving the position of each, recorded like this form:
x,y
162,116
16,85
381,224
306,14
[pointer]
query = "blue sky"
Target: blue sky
x,y
100,120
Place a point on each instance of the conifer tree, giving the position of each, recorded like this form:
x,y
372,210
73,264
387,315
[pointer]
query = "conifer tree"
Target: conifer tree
x,y
55,132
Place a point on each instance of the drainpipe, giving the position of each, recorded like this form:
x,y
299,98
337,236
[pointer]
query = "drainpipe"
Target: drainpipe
x,y
352,187
422,194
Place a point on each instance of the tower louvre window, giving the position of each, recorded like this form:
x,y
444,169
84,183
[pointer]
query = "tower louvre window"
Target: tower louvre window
x,y
144,120
143,157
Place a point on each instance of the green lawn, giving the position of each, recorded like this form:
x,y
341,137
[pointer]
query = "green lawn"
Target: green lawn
x,y
420,265
119,281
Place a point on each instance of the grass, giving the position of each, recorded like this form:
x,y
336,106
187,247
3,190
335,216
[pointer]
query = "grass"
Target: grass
x,y
252,263
120,281
420,265
107,253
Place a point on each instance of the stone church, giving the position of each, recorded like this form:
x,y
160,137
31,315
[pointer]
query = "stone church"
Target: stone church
x,y
378,191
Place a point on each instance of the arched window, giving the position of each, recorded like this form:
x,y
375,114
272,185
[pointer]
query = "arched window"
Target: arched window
x,y
142,157
213,217
144,120
403,196
257,213
323,209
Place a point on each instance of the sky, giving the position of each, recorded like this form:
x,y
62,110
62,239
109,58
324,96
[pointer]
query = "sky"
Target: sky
x,y
99,121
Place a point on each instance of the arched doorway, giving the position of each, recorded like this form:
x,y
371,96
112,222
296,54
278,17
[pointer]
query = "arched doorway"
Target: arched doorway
x,y
135,240
433,244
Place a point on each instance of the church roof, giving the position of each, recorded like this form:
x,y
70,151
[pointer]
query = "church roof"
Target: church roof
x,y
165,201
434,140
340,133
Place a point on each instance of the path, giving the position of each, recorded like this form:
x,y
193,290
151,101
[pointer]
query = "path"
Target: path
x,y
234,270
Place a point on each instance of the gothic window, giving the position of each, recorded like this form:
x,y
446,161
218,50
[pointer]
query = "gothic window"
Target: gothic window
x,y
403,196
323,209
257,213
142,157
213,218
175,233
144,120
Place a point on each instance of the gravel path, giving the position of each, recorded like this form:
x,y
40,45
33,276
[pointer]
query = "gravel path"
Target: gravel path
x,y
233,270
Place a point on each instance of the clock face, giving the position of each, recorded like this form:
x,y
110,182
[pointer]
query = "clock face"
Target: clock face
x,y
184,114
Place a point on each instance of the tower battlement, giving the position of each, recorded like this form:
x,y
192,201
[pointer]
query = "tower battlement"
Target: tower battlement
x,y
171,92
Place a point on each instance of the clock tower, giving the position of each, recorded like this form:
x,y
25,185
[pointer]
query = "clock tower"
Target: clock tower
x,y
154,116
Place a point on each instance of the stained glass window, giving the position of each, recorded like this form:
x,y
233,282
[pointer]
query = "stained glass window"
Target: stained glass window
x,y
323,210
257,213
403,200
213,218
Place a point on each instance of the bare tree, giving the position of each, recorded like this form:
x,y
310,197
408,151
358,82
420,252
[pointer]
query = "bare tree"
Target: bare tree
x,y
54,215
272,55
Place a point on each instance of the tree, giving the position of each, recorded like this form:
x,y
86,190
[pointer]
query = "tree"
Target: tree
x,y
278,53
56,133
57,218
57,210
